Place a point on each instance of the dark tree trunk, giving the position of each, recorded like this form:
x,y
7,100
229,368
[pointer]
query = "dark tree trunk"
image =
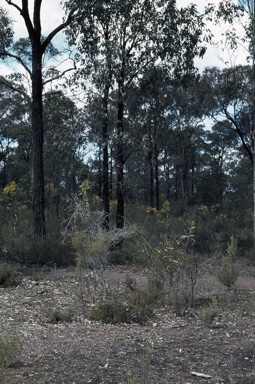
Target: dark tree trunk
x,y
38,201
111,176
100,172
105,176
38,48
185,176
120,160
151,191
156,177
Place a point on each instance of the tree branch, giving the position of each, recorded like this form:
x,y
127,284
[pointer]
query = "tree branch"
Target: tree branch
x,y
10,85
14,5
56,30
59,76
9,54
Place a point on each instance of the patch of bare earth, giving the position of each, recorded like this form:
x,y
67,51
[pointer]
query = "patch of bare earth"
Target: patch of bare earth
x,y
171,349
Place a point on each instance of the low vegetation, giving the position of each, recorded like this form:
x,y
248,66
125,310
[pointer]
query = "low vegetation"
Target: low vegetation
x,y
10,346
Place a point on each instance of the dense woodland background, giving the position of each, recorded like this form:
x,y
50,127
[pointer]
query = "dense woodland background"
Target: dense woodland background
x,y
129,132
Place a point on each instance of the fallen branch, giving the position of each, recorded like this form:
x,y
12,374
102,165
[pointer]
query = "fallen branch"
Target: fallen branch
x,y
201,375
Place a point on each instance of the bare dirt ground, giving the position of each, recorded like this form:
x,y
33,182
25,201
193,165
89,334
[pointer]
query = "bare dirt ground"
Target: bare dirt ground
x,y
169,349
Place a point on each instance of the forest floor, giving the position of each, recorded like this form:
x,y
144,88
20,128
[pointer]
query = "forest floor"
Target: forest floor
x,y
170,349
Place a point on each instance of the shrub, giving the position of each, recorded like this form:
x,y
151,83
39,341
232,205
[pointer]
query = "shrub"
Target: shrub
x,y
56,315
92,244
138,307
7,278
210,313
177,265
116,312
228,273
112,312
20,245
180,302
148,296
9,350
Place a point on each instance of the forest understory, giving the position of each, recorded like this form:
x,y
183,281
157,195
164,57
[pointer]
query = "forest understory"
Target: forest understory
x,y
212,342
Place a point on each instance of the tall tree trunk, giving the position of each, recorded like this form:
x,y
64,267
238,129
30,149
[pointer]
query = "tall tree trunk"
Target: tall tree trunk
x,y
151,173
38,201
156,177
105,175
100,171
185,175
120,164
253,116
151,188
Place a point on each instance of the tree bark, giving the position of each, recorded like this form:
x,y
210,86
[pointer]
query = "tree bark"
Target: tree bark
x,y
38,48
120,159
38,201
151,191
253,115
157,202
105,175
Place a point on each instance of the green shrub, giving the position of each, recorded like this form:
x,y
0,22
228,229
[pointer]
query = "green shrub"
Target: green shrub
x,y
7,278
40,251
180,302
150,295
116,312
112,312
18,243
56,315
138,307
9,350
228,272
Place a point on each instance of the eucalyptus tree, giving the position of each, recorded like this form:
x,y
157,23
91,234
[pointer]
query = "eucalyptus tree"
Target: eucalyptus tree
x,y
220,144
123,39
64,142
244,12
14,135
147,106
35,47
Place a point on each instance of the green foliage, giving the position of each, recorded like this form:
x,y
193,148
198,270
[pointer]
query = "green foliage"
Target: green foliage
x,y
228,272
90,252
6,31
208,314
7,277
145,358
18,244
116,312
41,251
56,315
138,307
177,264
9,350
150,295
92,244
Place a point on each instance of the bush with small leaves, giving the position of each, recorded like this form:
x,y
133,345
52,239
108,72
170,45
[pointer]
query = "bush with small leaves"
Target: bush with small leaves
x,y
116,312
208,315
56,315
9,350
147,296
139,306
113,312
228,272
